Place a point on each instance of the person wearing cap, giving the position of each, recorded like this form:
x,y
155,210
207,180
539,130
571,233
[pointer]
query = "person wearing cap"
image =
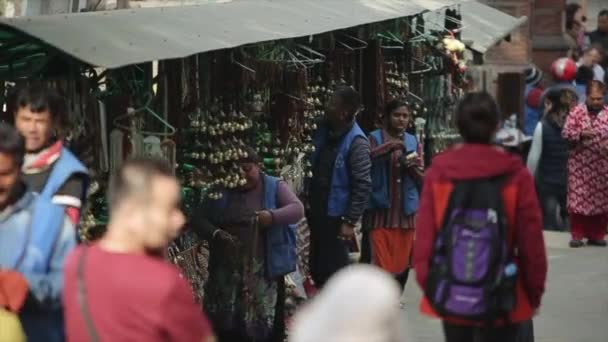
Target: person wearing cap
x,y
250,230
532,96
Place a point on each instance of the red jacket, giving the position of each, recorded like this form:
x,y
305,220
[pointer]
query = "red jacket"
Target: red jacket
x,y
521,207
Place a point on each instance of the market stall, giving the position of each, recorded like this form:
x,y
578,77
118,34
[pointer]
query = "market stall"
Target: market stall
x,y
195,84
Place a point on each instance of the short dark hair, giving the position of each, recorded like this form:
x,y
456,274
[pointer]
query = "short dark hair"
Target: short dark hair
x,y
477,117
350,98
392,105
602,13
567,96
252,155
596,85
12,143
584,75
554,97
40,99
134,177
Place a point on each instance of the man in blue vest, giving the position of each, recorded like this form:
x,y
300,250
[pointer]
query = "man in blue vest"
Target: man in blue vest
x,y
340,187
49,168
33,244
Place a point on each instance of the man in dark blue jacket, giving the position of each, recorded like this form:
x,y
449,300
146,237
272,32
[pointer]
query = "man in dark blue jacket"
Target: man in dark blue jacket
x,y
340,187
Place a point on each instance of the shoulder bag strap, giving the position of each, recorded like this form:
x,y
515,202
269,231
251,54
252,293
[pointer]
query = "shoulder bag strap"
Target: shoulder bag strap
x,y
82,297
28,236
26,243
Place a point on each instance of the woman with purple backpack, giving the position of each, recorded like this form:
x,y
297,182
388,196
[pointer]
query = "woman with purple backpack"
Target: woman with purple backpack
x,y
478,206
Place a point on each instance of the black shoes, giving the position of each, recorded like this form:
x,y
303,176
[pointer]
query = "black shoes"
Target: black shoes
x,y
597,243
576,243
580,243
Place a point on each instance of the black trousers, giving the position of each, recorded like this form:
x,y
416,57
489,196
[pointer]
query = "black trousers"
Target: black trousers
x,y
328,253
509,333
553,199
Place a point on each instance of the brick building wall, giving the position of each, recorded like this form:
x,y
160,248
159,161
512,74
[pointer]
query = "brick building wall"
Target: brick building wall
x,y
547,33
507,56
516,52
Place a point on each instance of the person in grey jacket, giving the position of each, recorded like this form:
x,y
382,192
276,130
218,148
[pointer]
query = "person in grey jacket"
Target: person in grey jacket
x,y
340,187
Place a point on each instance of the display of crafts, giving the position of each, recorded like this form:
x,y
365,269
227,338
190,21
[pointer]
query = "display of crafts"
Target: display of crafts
x,y
397,82
269,97
454,49
218,141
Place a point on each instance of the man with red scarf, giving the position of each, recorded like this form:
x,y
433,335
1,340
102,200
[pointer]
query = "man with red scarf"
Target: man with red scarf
x,y
49,169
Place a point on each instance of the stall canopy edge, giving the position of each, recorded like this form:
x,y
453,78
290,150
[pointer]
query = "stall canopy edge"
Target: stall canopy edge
x,y
485,26
112,39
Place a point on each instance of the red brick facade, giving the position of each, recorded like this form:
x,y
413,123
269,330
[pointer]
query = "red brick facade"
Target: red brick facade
x,y
540,40
515,53
548,32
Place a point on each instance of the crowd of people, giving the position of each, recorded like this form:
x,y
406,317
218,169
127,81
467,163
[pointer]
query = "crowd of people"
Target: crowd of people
x,y
566,119
471,224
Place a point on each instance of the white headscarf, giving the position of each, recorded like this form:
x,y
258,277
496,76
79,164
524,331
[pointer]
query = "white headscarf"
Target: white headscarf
x,y
358,304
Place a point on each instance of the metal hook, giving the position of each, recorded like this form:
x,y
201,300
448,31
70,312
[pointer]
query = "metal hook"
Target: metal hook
x,y
390,37
240,64
360,41
429,67
293,97
415,97
145,109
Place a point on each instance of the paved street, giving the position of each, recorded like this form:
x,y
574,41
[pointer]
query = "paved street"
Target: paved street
x,y
575,307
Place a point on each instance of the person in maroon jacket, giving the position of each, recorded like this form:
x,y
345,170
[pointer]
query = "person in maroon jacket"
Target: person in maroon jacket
x,y
120,289
477,119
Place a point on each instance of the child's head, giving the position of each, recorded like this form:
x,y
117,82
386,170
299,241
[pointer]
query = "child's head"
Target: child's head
x,y
477,118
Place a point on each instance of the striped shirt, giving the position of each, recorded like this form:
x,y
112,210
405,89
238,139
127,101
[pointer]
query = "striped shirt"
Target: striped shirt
x,y
394,216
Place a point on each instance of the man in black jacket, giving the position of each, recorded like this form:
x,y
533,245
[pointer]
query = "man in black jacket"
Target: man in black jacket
x,y
599,37
340,187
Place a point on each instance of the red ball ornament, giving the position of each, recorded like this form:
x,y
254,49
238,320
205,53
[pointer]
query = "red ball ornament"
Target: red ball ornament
x,y
563,69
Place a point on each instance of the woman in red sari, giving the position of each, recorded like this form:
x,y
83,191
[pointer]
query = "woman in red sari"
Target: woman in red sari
x,y
586,130
396,171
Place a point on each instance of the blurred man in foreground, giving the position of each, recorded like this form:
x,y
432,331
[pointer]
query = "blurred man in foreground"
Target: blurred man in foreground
x,y
119,289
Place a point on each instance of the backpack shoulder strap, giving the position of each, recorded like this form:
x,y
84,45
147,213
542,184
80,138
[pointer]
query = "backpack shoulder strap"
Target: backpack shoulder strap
x,y
509,196
83,302
442,192
441,197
